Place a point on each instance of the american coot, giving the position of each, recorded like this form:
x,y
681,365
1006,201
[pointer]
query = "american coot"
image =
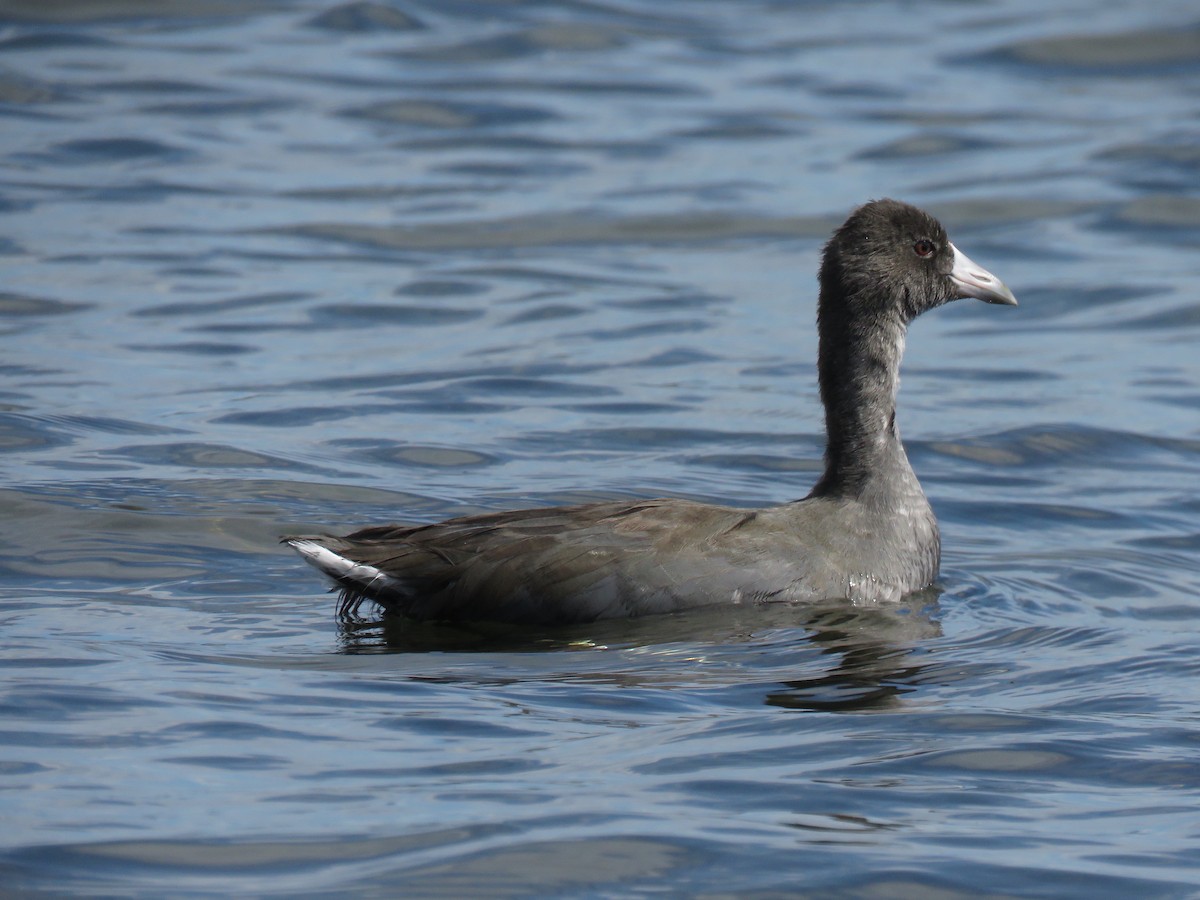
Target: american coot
x,y
865,532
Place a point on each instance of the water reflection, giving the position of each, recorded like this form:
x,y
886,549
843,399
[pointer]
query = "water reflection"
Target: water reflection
x,y
831,657
874,649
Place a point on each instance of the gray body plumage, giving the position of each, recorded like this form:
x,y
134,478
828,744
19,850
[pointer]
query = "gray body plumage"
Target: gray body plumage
x,y
865,533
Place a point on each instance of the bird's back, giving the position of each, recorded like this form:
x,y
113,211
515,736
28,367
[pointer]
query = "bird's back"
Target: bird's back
x,y
607,560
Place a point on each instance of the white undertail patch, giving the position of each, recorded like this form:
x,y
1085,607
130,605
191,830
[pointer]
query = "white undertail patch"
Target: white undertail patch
x,y
367,578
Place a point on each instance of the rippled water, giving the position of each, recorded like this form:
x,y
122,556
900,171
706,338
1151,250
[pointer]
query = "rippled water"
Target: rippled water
x,y
290,265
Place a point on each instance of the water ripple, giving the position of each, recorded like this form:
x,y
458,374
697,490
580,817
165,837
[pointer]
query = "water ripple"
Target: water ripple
x,y
301,265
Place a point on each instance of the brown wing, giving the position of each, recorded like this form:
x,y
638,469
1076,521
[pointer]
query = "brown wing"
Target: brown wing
x,y
573,563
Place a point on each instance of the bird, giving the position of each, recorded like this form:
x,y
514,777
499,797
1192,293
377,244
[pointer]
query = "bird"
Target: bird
x,y
865,533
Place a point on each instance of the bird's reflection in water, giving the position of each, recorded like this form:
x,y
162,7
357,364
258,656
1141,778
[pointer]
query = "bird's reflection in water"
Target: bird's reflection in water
x,y
874,648
865,654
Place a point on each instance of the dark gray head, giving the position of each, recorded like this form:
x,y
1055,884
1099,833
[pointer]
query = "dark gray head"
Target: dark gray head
x,y
885,266
891,259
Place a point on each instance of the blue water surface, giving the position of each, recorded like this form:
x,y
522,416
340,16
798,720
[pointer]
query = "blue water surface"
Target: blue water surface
x,y
294,265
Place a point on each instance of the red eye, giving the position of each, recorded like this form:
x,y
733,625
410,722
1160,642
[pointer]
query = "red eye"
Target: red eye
x,y
924,248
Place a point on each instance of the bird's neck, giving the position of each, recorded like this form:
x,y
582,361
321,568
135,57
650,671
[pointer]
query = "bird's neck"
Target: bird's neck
x,y
859,370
